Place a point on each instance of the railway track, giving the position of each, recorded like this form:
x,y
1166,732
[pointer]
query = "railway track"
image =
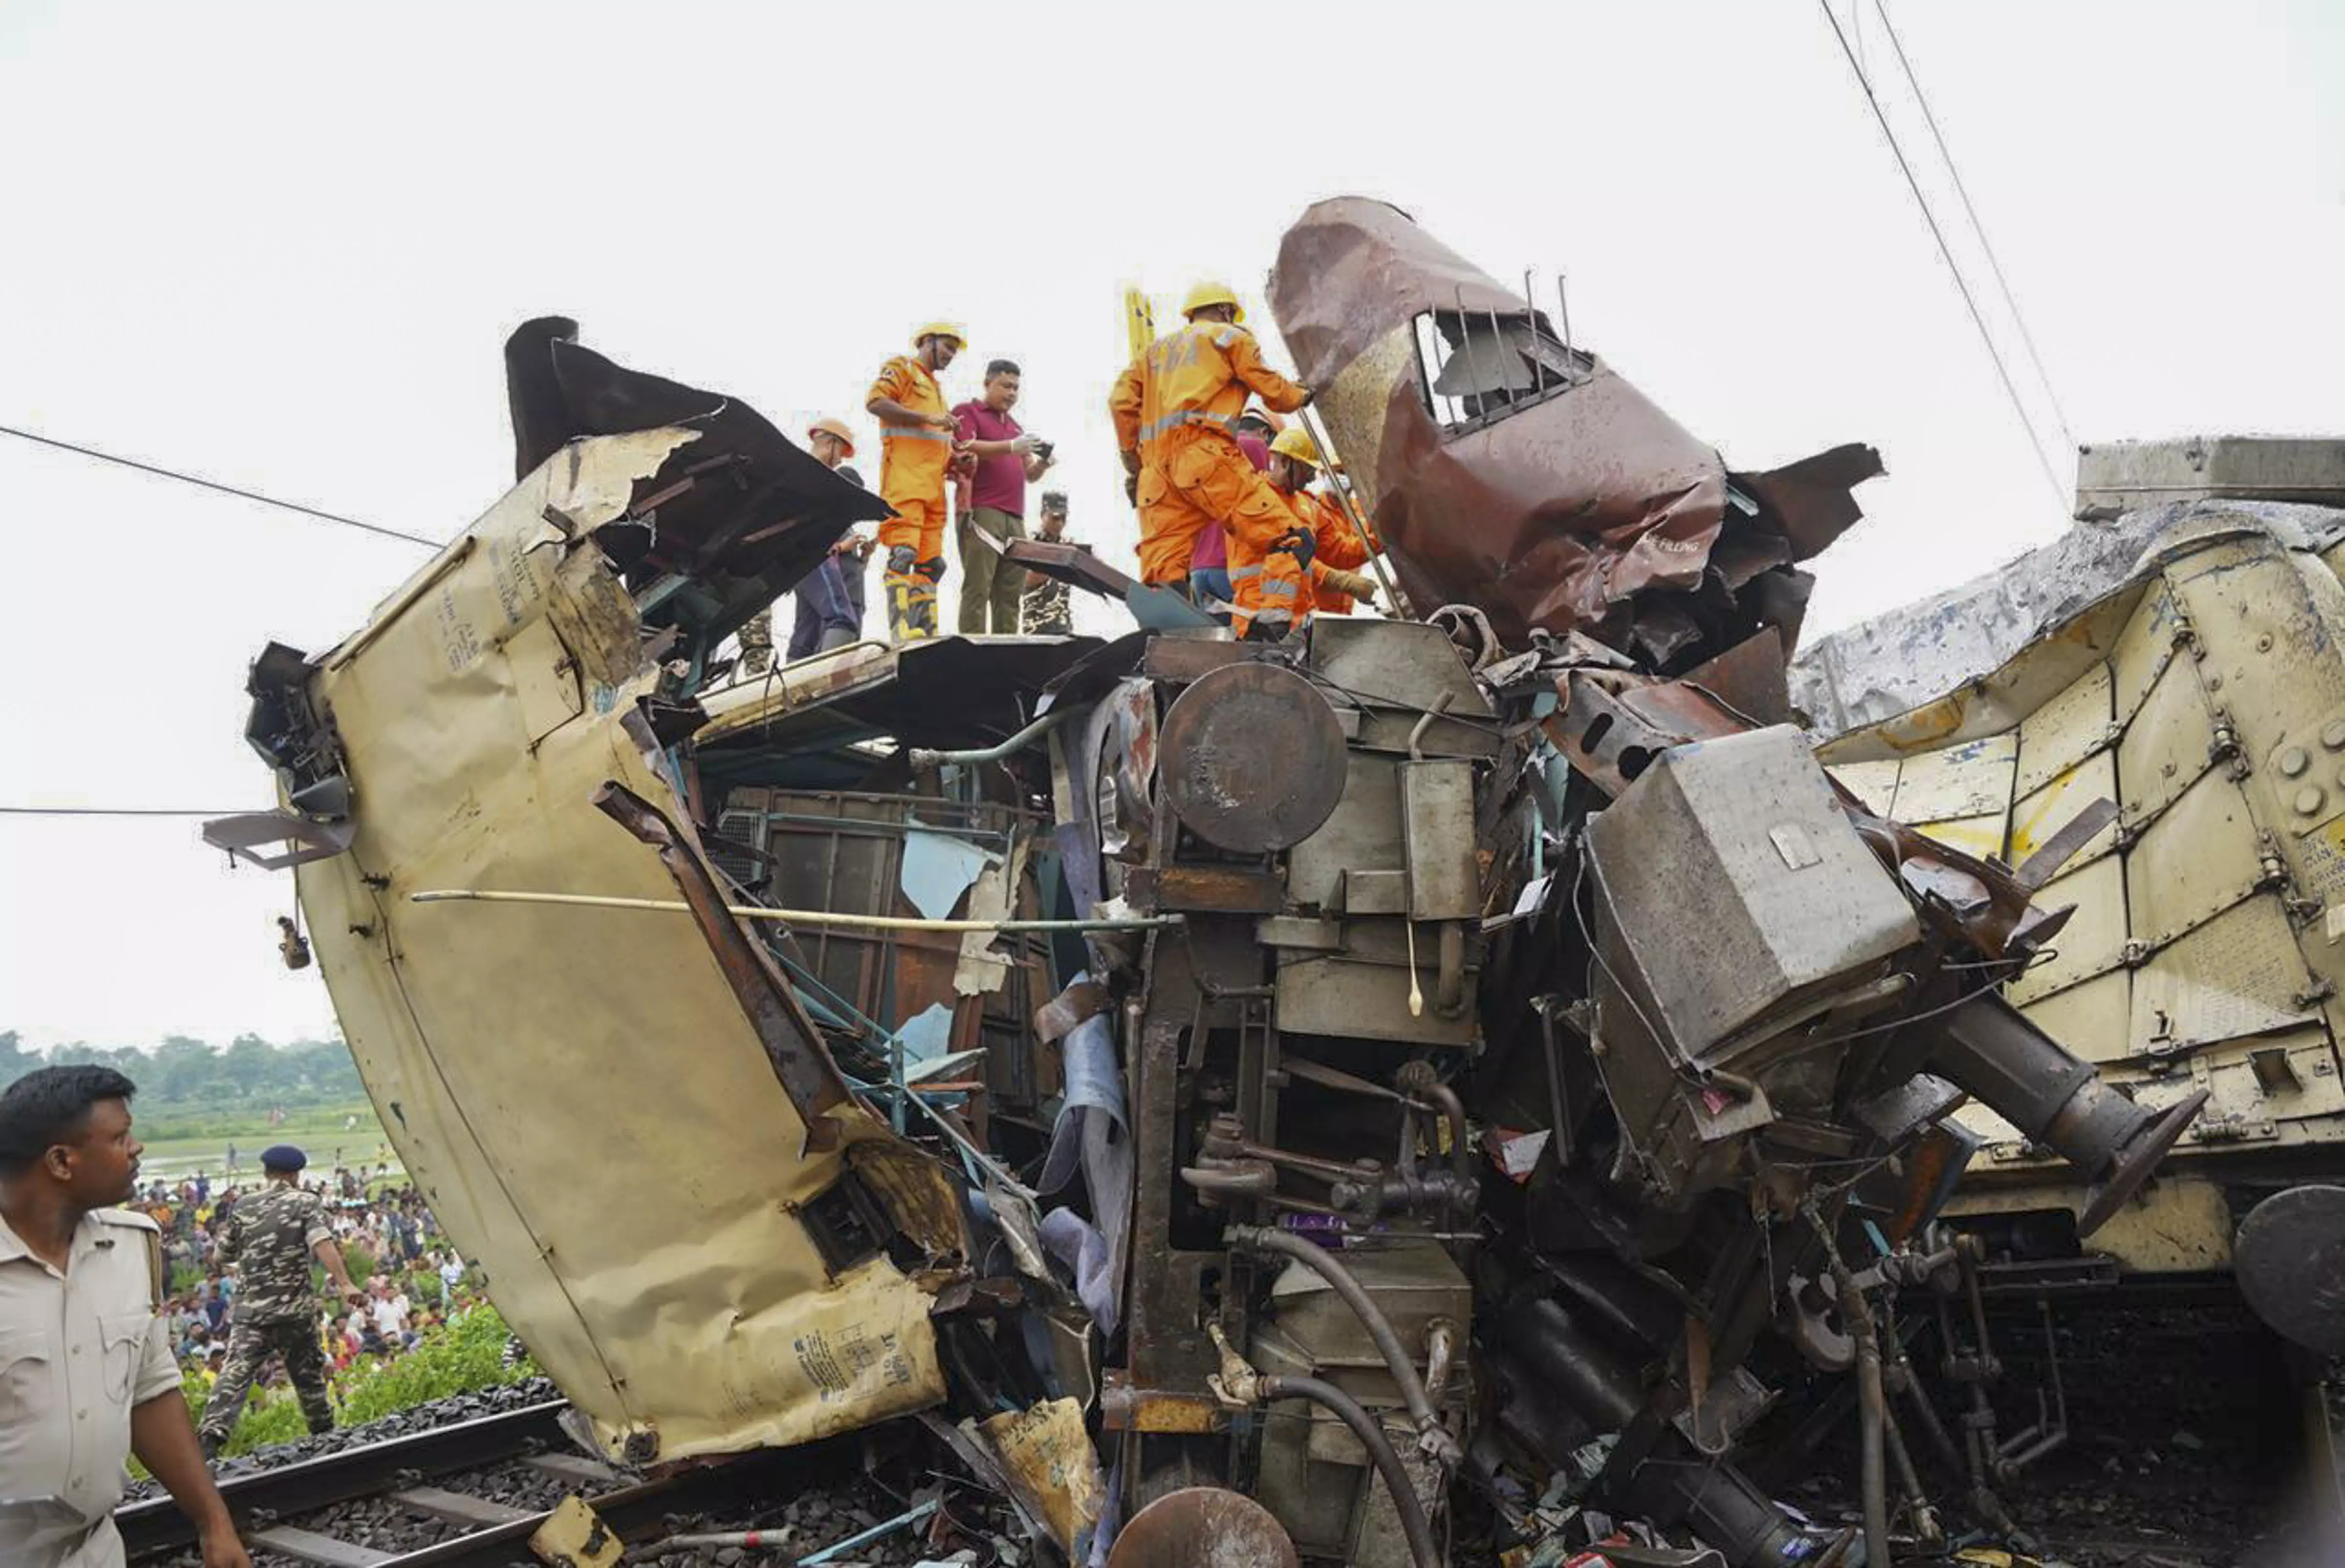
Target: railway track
x,y
429,1484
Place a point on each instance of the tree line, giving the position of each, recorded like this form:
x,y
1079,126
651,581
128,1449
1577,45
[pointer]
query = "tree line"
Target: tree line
x,y
191,1071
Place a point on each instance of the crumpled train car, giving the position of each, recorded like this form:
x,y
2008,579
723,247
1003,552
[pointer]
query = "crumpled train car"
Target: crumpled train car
x,y
1387,1097
625,1119
2165,750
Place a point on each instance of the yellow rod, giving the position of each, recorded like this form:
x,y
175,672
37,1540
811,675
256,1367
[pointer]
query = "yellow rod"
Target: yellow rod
x,y
795,916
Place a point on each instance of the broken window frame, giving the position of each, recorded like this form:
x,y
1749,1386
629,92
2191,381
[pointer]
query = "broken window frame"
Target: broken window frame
x,y
1428,335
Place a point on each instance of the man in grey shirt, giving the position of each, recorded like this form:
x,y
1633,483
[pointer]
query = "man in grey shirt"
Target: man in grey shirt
x,y
86,1371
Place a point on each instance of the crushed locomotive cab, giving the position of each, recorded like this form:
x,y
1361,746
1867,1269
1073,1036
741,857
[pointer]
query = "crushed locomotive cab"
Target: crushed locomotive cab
x,y
1462,1083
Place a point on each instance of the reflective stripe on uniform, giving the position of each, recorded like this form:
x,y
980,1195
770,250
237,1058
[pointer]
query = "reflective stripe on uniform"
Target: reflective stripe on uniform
x,y
908,433
1276,588
1184,417
1271,617
1238,572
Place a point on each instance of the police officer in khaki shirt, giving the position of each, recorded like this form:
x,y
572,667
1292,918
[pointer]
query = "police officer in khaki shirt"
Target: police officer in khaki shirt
x,y
85,1367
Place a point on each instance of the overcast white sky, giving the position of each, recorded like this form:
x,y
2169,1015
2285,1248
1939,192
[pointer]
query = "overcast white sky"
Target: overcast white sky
x,y
282,245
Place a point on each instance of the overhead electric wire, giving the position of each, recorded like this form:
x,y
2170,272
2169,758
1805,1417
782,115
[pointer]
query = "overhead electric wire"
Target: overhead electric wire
x,y
2002,283
1961,286
115,810
161,471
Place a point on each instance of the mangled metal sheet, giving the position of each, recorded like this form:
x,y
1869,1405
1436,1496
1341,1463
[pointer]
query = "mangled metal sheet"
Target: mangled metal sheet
x,y
1519,474
718,536
533,1064
2201,698
1900,660
941,692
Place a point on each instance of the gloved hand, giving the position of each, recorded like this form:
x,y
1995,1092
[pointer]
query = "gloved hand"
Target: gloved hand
x,y
1131,488
1297,542
1359,587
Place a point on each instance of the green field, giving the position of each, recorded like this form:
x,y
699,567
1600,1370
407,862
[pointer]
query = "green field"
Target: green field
x,y
183,1139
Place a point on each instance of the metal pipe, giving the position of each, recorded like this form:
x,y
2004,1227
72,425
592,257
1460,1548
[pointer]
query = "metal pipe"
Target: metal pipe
x,y
1530,316
1343,488
925,761
1449,974
1872,1401
751,1539
1414,1525
1433,1436
795,916
1559,1098
1464,347
911,1515
1498,356
1440,1356
1423,722
1258,1180
1417,1081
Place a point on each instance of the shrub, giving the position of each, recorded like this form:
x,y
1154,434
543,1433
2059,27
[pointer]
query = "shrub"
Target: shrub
x,y
465,1353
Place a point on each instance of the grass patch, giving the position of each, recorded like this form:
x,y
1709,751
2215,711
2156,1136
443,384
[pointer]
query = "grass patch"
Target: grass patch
x,y
457,1357
183,1139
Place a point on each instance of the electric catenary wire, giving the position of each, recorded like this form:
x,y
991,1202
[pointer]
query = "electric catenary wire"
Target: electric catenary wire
x,y
2002,283
115,810
2003,372
294,506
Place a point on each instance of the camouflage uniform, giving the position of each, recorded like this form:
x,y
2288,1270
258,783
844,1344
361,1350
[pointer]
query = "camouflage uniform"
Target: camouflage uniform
x,y
1045,611
270,1237
758,642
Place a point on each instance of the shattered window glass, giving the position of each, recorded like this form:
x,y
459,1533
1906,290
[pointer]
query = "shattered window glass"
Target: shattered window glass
x,y
1476,367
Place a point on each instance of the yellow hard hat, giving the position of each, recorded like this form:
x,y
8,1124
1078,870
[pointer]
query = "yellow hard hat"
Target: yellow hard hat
x,y
1205,294
833,428
941,330
1296,442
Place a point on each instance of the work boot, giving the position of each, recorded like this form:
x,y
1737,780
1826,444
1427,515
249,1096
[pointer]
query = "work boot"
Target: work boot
x,y
911,610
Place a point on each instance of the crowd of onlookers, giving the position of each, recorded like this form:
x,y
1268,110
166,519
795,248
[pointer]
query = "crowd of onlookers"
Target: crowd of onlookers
x,y
414,1278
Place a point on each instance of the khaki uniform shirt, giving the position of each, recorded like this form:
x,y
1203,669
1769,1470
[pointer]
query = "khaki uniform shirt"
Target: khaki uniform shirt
x,y
77,1350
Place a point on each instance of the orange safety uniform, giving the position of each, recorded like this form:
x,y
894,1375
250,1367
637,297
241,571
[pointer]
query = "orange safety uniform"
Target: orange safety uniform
x,y
1257,578
1339,549
913,462
1174,406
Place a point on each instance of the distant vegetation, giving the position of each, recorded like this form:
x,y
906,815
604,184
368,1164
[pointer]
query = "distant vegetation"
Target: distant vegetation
x,y
465,1353
205,1087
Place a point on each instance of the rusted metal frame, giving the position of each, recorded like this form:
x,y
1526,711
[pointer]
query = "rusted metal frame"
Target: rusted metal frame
x,y
1206,889
1167,1351
1608,730
793,1043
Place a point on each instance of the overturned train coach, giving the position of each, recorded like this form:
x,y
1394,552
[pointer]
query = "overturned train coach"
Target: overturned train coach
x,y
1350,1098
2147,716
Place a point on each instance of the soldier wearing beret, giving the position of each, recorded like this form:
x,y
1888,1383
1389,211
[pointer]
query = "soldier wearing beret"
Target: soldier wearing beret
x,y
270,1237
85,1367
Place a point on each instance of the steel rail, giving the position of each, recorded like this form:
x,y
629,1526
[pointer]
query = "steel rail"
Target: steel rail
x,y
155,1525
636,1512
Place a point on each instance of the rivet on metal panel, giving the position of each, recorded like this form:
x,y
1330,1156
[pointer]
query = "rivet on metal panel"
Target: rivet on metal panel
x,y
2294,761
2263,643
2310,798
2333,735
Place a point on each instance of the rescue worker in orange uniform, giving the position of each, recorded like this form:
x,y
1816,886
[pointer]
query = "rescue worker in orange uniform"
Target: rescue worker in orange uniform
x,y
918,446
1328,582
1173,409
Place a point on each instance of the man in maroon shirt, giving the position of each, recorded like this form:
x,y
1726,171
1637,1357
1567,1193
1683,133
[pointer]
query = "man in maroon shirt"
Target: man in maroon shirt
x,y
993,500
